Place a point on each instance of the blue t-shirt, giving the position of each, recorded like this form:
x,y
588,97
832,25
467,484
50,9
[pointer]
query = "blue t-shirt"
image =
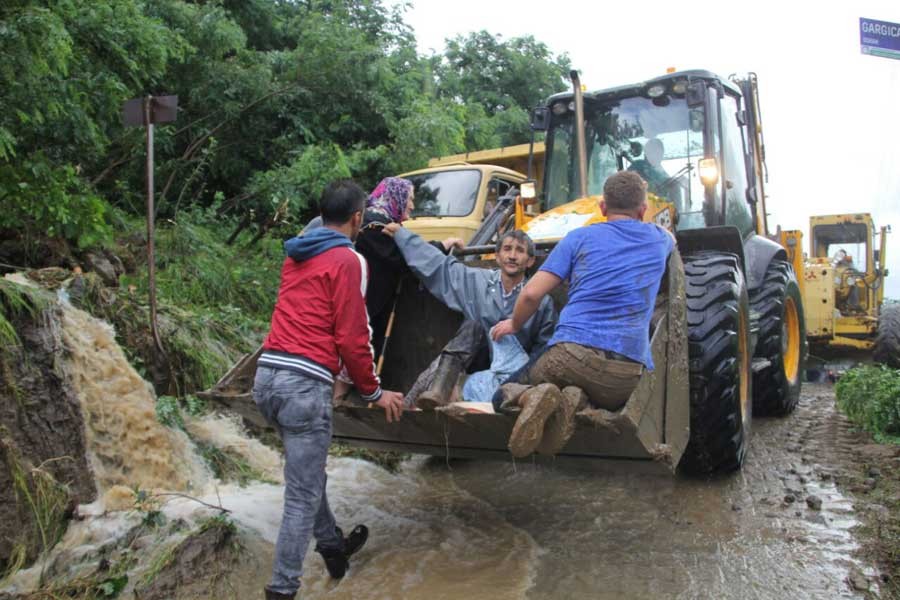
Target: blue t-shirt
x,y
614,271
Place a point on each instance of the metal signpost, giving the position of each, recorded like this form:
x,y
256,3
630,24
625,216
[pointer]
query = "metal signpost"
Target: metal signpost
x,y
144,112
879,38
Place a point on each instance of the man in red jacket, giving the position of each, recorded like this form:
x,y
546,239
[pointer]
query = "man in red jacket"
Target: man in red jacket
x,y
318,326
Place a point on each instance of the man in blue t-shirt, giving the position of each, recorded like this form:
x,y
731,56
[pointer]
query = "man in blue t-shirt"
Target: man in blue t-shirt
x,y
602,342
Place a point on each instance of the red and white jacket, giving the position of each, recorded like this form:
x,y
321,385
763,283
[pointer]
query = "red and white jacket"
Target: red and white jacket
x,y
320,322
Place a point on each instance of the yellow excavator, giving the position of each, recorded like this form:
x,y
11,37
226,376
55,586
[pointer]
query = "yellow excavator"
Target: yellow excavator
x,y
727,335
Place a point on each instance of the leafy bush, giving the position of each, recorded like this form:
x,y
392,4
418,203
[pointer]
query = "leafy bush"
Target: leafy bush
x,y
870,396
196,269
38,199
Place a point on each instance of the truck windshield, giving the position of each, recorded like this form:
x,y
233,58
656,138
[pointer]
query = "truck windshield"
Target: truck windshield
x,y
445,193
660,139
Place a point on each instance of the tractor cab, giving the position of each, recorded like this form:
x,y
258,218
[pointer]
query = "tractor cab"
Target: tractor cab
x,y
691,135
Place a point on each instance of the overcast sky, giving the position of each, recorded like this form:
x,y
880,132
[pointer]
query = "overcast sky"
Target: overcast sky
x,y
831,115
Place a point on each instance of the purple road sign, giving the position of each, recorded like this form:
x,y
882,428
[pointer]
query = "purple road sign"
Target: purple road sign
x,y
879,38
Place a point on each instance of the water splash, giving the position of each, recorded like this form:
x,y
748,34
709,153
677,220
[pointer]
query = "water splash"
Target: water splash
x,y
127,446
227,433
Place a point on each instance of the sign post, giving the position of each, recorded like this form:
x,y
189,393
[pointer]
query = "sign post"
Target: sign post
x,y
879,38
144,112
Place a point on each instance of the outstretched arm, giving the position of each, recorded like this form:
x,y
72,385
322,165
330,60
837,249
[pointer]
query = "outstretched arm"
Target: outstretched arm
x,y
444,276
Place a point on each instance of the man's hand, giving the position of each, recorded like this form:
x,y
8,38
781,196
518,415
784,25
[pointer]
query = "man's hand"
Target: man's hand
x,y
391,228
501,329
392,403
451,243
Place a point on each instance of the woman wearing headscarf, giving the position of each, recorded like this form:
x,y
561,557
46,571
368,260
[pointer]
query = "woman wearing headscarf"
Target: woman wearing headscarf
x,y
390,202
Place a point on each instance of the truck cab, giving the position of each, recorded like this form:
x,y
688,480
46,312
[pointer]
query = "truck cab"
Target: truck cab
x,y
451,200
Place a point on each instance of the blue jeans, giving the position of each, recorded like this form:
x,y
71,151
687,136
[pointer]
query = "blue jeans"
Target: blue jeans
x,y
508,357
300,408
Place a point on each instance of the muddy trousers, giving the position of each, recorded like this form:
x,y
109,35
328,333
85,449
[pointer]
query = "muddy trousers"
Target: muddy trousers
x,y
469,345
606,377
300,408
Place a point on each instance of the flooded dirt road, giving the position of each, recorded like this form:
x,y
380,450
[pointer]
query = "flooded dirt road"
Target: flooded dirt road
x,y
497,530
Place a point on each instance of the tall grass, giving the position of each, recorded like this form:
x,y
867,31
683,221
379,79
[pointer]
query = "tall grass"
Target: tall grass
x,y
15,300
196,269
43,498
214,300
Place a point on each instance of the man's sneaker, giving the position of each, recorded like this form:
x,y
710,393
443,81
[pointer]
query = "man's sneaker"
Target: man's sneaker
x,y
336,559
270,595
538,403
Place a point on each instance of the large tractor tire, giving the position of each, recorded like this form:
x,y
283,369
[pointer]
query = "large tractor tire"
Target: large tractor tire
x,y
718,316
781,342
887,340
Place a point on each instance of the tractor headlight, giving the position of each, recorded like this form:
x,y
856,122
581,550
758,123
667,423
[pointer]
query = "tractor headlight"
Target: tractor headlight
x,y
655,91
709,171
559,108
528,190
680,86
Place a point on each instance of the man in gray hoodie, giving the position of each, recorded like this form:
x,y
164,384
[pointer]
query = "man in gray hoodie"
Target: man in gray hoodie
x,y
484,297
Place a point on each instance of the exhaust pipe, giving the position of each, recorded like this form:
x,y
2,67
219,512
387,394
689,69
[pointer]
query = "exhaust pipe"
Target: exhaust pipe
x,y
579,133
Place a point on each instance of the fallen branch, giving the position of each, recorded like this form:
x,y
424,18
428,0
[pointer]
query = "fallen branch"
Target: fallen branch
x,y
206,504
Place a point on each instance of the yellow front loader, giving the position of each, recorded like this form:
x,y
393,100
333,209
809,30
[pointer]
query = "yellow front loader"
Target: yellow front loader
x,y
727,331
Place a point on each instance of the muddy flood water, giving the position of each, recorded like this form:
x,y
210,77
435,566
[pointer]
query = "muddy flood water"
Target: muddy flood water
x,y
478,529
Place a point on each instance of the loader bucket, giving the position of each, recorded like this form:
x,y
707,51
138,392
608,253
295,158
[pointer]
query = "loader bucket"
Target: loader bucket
x,y
653,426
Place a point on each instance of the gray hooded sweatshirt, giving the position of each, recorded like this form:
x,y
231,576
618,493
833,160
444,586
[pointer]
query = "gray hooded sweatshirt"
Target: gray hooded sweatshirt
x,y
475,292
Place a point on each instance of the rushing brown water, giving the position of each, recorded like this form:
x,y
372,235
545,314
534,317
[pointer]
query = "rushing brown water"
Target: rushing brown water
x,y
477,530
127,445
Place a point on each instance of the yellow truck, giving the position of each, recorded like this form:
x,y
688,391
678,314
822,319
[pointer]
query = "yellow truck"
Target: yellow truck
x,y
455,193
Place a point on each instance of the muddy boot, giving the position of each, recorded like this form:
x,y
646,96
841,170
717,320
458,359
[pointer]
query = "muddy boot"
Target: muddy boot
x,y
510,392
445,377
270,595
538,403
561,424
338,560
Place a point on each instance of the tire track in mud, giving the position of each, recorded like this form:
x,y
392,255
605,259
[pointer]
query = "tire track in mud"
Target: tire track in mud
x,y
780,528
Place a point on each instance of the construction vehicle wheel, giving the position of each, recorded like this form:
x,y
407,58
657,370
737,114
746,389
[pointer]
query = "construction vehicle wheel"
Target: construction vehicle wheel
x,y
887,340
718,316
781,342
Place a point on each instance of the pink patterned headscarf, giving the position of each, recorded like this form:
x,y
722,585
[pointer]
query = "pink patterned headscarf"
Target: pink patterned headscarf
x,y
390,197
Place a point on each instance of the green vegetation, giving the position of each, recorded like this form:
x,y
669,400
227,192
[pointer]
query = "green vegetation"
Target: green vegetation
x,y
148,505
16,300
870,396
275,99
214,302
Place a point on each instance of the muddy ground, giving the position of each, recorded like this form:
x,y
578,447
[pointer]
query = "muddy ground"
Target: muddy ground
x,y
797,522
810,516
